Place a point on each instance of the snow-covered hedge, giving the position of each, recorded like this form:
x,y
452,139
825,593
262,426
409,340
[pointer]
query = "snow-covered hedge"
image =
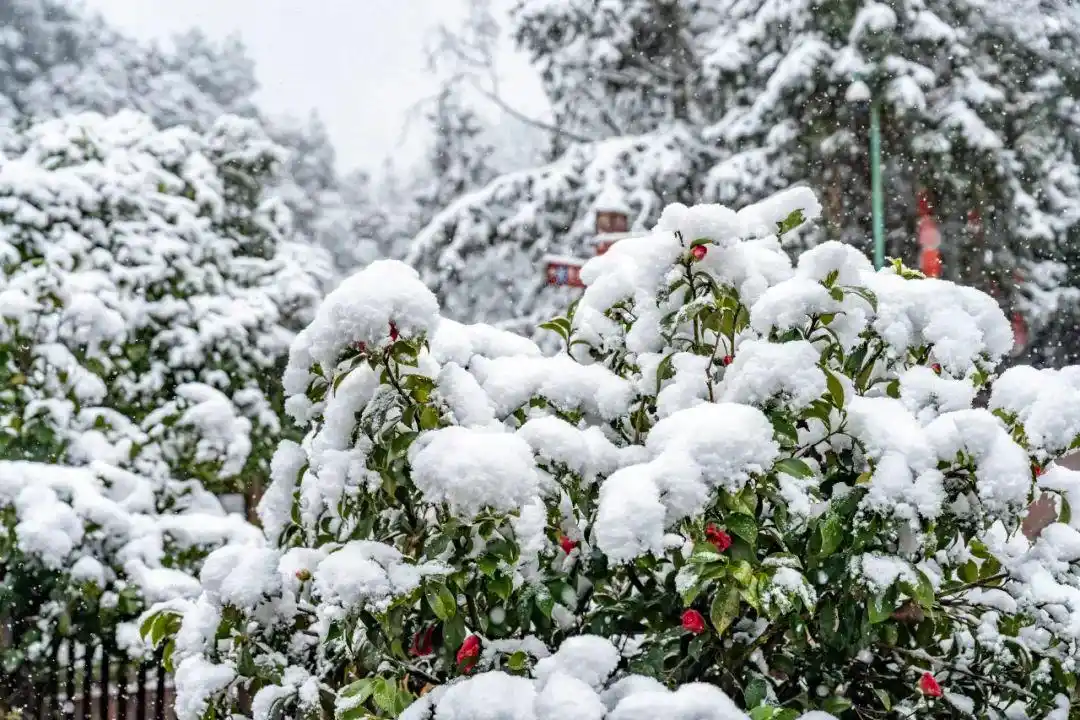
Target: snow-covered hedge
x,y
148,296
84,550
769,487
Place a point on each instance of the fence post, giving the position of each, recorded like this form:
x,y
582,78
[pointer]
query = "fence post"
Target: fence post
x,y
69,681
103,699
159,695
88,682
140,692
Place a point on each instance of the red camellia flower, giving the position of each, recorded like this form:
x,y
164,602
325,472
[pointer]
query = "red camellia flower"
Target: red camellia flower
x,y
727,360
394,335
422,644
699,252
567,544
929,686
469,653
693,622
718,537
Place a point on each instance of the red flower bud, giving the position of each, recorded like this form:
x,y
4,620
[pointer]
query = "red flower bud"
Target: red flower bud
x,y
422,644
718,537
929,686
360,345
727,360
303,575
469,653
693,622
936,367
1038,470
567,544
394,335
699,252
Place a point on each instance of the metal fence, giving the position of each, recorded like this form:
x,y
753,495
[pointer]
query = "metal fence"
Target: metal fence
x,y
92,682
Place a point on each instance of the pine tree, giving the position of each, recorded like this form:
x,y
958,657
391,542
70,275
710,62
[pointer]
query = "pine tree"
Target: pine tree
x,y
976,108
459,157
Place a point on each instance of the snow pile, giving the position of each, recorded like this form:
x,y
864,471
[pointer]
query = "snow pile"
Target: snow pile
x,y
577,681
727,447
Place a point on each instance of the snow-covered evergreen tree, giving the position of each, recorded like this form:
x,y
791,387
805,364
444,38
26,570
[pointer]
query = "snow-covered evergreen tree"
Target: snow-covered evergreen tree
x,y
975,109
745,487
459,159
148,294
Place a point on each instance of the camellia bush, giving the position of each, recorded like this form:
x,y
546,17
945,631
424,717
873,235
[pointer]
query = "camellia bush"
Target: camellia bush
x,y
148,296
743,488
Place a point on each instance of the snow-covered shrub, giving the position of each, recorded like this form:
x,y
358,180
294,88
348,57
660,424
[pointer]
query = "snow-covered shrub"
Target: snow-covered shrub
x,y
147,302
84,550
764,486
145,298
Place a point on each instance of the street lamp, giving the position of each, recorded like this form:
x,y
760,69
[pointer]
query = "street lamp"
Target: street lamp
x,y
859,92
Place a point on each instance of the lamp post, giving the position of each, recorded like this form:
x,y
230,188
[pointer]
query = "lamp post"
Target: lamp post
x,y
876,199
859,92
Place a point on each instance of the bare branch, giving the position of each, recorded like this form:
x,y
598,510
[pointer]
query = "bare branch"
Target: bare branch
x,y
505,107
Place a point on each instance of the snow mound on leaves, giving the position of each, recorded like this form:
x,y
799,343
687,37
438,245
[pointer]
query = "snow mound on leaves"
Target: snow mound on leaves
x,y
576,683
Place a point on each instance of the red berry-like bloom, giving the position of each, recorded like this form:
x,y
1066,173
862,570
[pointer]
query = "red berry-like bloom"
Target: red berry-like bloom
x,y
699,252
929,686
693,622
469,653
1038,470
394,335
936,367
422,644
718,537
303,575
567,544
727,360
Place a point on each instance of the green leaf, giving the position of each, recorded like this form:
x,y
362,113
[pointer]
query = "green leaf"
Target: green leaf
x,y
443,602
795,467
724,609
502,586
969,571
836,705
487,564
742,525
836,388
454,631
517,660
559,326
883,696
832,534
792,221
358,692
785,428
924,591
429,418
664,370
1065,515
544,602
385,694
757,691
880,609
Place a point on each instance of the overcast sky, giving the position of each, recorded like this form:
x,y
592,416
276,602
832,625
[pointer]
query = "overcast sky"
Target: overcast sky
x,y
360,63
